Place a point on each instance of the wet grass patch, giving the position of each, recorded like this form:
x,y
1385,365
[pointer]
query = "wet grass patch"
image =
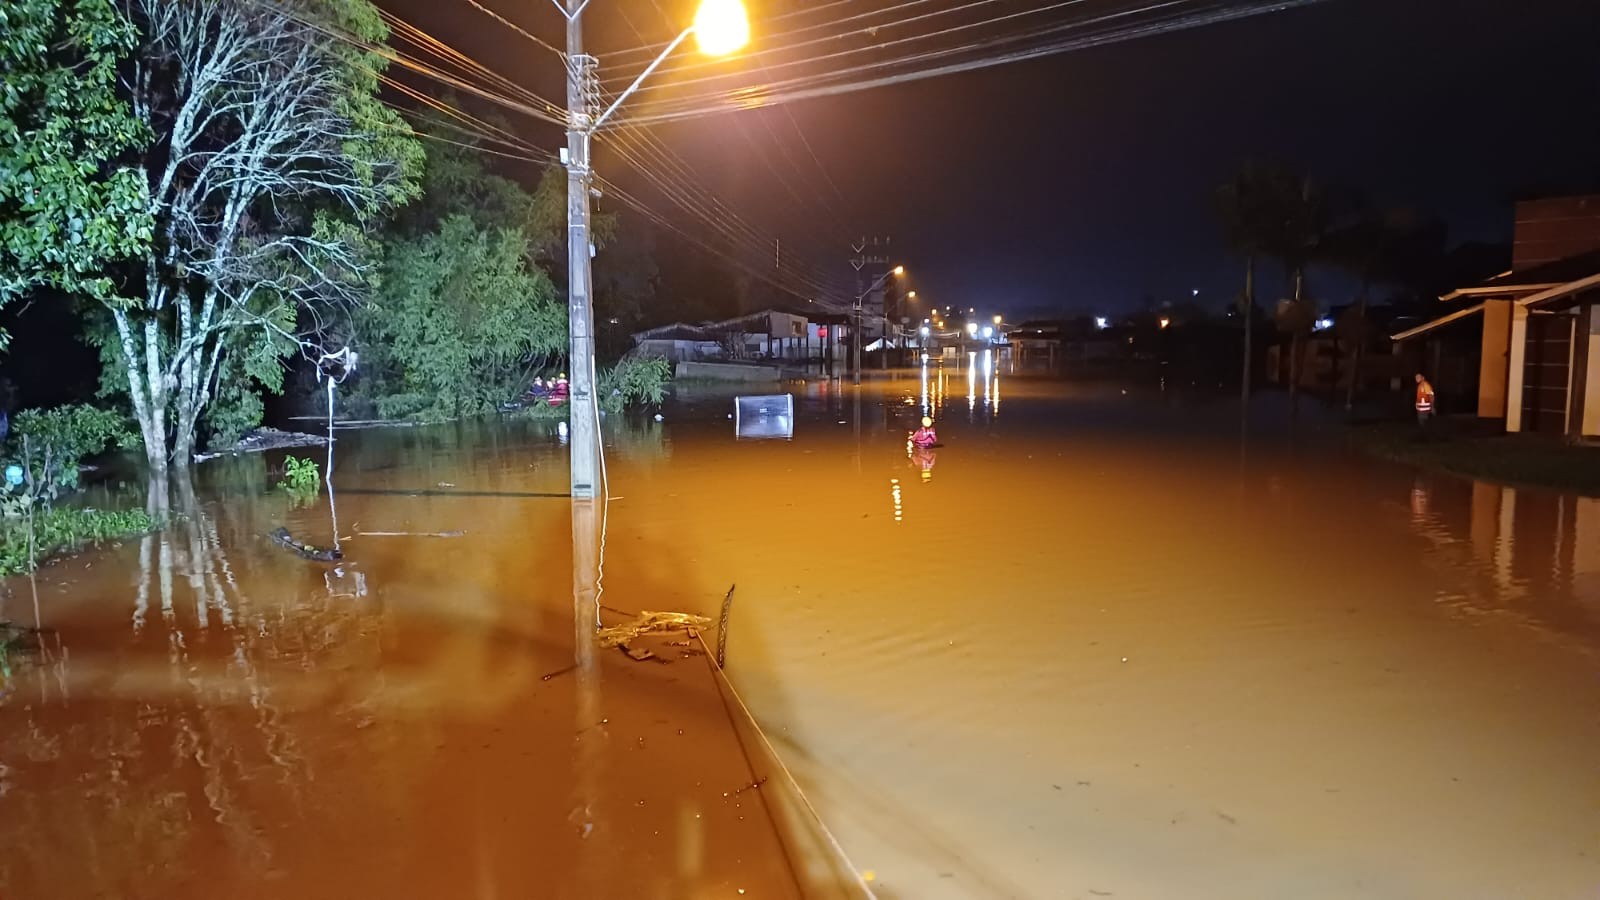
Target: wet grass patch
x,y
1465,448
56,531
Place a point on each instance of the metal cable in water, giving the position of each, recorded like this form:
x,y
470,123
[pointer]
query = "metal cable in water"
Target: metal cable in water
x,y
333,509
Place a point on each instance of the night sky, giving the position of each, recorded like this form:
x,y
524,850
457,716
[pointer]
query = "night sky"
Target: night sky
x,y
1083,182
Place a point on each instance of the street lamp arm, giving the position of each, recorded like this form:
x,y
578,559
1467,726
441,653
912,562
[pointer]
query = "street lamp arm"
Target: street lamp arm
x,y
874,286
642,76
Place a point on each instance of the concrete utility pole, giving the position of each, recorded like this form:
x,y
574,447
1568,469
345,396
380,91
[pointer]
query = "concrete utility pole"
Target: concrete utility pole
x,y
583,411
884,359
857,262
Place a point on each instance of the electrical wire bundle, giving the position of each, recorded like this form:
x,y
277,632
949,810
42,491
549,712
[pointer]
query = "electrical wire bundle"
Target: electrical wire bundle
x,y
817,50
863,45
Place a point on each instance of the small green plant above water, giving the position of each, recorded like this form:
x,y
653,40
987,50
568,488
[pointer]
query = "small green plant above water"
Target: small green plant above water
x,y
301,478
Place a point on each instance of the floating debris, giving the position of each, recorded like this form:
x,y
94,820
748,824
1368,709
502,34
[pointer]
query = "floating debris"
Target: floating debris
x,y
282,538
557,673
624,635
649,622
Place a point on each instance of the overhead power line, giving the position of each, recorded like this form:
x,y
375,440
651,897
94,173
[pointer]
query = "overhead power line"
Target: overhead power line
x,y
1109,27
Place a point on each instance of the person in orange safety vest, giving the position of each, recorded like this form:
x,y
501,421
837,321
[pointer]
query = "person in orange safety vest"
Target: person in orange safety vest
x,y
1424,400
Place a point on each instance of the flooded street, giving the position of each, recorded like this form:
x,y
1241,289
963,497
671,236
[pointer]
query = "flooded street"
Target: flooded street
x,y
1092,646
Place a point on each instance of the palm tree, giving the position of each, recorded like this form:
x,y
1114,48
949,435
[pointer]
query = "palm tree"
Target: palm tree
x,y
1248,222
1270,211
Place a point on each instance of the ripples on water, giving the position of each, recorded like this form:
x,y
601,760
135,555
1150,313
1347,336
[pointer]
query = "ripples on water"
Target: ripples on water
x,y
1092,643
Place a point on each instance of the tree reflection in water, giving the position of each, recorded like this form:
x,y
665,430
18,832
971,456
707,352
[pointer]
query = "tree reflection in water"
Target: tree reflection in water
x,y
139,759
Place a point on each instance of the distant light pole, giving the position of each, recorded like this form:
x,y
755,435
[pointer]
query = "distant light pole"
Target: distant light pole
x,y
885,357
720,27
861,298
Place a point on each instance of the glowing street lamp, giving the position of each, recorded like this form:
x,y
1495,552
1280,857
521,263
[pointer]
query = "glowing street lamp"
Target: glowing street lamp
x,y
997,318
1165,321
721,27
972,329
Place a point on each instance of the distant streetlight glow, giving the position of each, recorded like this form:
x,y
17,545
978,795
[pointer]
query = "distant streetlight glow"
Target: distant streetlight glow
x,y
1102,323
972,329
926,331
899,270
721,27
1165,321
988,331
997,318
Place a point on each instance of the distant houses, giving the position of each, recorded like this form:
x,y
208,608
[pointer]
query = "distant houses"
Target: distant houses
x,y
1528,334
770,335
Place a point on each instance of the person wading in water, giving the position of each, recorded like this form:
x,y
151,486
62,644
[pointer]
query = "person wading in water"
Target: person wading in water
x,y
1424,401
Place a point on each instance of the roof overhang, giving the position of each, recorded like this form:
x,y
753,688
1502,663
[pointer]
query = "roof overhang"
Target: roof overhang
x,y
1561,291
1426,327
1497,290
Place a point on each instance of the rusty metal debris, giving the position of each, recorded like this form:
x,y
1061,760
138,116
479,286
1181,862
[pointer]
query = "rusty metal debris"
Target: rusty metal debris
x,y
722,627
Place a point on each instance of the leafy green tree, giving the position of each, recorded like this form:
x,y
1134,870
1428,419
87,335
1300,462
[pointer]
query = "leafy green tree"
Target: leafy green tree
x,y
462,318
468,309
72,204
272,158
50,445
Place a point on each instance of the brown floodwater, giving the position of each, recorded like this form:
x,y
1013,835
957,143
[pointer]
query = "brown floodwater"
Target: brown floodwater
x,y
1097,644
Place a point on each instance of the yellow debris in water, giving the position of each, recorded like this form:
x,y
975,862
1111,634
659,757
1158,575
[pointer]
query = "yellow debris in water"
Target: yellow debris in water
x,y
651,623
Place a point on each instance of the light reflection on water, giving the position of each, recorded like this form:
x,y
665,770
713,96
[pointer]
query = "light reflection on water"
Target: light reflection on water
x,y
1104,650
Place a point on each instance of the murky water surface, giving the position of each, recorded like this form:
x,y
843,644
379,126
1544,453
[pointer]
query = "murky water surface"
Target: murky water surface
x,y
1092,646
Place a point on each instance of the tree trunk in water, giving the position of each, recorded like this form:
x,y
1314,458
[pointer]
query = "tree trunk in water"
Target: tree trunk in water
x,y
1355,357
1249,315
186,411
149,400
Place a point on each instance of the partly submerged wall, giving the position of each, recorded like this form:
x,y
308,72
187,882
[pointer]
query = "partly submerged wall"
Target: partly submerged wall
x,y
715,371
819,863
